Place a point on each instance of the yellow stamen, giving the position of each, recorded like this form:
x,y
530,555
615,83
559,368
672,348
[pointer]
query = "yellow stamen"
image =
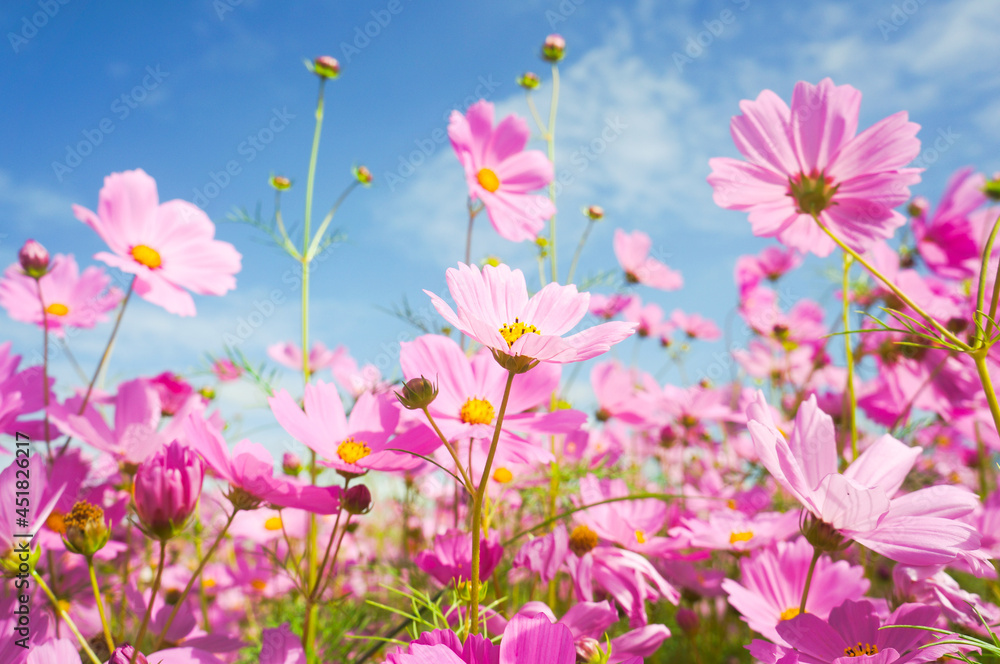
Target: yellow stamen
x,y
790,613
582,540
744,536
258,584
57,309
640,537
861,650
274,523
502,475
351,451
511,332
731,504
477,411
208,583
146,256
64,605
488,180
56,522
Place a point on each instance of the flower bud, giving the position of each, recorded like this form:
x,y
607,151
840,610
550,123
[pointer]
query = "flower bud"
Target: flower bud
x,y
821,535
588,650
34,259
123,655
362,175
291,464
417,393
241,499
529,80
594,212
166,490
280,182
86,531
11,564
357,500
688,621
326,66
554,48
992,188
918,206
207,393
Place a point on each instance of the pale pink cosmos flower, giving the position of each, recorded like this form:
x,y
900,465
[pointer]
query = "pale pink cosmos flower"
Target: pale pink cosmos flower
x,y
170,247
918,528
947,242
500,172
730,530
770,264
632,251
648,318
772,580
633,524
695,326
20,394
809,159
71,299
494,309
450,561
608,306
287,354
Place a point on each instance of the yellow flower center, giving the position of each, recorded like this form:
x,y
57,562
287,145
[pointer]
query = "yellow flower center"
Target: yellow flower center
x,y
208,583
640,537
502,475
582,540
274,523
731,504
56,522
744,536
258,584
511,332
351,451
146,256
57,309
476,411
64,605
861,650
790,613
488,180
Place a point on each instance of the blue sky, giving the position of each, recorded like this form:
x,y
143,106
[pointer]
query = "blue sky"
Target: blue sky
x,y
179,89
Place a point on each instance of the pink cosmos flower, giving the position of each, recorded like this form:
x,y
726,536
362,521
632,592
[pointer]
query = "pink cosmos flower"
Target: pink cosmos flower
x,y
770,264
634,524
280,645
169,247
351,445
166,490
494,309
450,561
173,390
772,580
731,530
627,394
946,242
42,496
695,326
289,355
20,394
609,306
647,318
919,528
809,159
226,370
632,252
71,299
500,172
355,379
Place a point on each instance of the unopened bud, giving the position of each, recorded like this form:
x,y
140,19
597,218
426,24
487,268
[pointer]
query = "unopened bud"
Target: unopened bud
x,y
357,500
280,182
124,653
492,260
86,531
918,206
291,464
326,66
417,393
688,621
554,48
992,188
34,259
821,535
588,650
362,175
529,80
595,212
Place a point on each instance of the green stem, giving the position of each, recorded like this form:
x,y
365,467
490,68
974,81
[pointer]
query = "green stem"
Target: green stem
x,y
809,578
579,250
477,509
100,604
45,369
550,138
849,354
534,113
152,600
451,450
190,584
311,594
945,332
65,618
979,356
986,328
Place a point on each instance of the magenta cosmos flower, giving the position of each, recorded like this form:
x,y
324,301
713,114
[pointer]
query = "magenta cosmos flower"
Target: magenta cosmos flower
x,y
809,159
169,247
495,310
166,490
71,299
500,172
632,252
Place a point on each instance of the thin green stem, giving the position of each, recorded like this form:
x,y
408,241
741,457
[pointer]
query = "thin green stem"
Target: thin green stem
x,y
987,327
314,245
190,584
579,250
849,358
945,332
64,617
336,554
979,356
152,600
45,368
477,508
809,579
550,138
100,604
534,113
311,594
451,450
